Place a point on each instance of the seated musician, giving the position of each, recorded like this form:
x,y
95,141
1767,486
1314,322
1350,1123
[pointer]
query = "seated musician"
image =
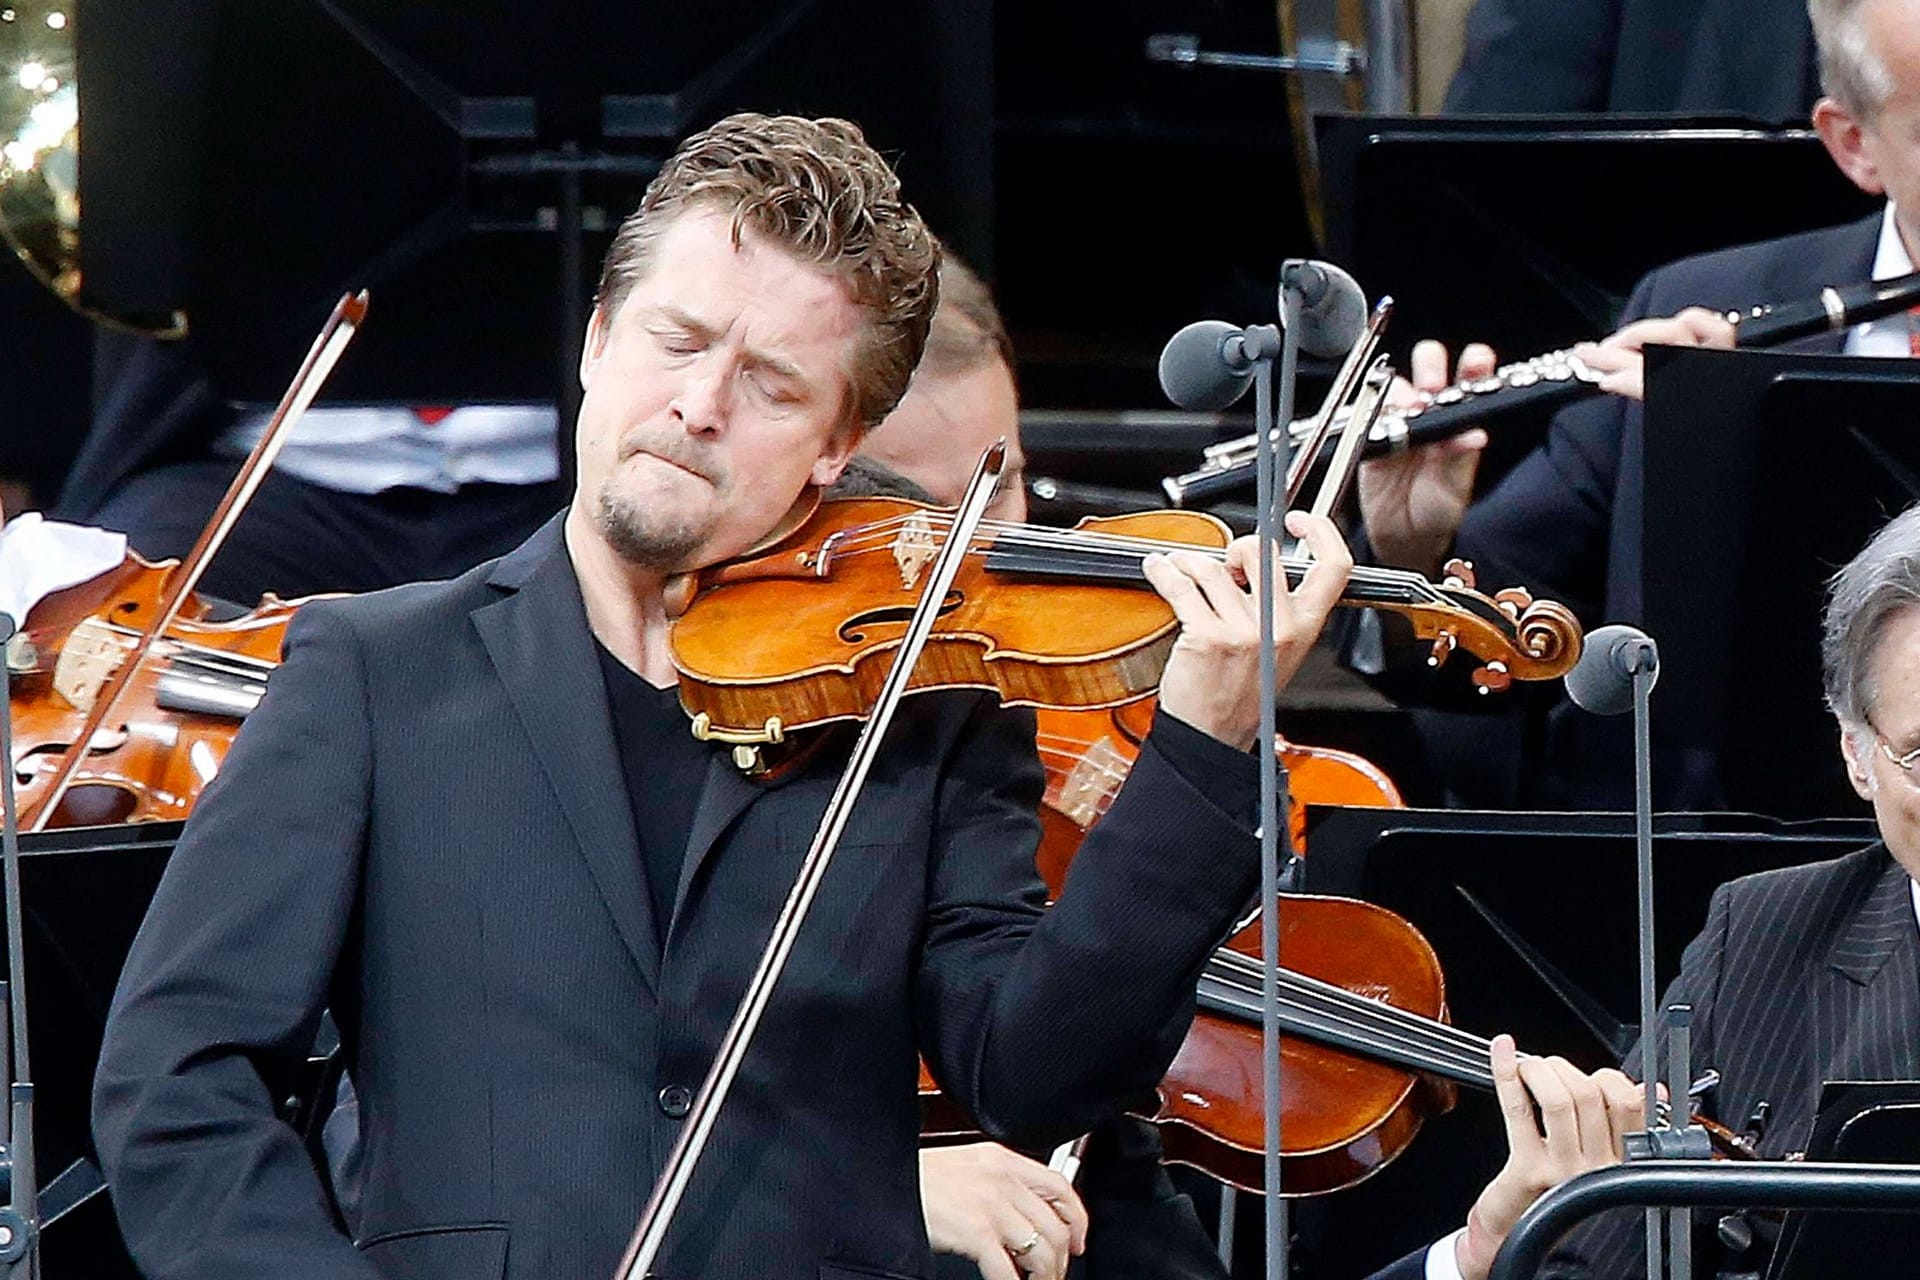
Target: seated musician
x,y
468,818
992,1212
1566,520
1812,973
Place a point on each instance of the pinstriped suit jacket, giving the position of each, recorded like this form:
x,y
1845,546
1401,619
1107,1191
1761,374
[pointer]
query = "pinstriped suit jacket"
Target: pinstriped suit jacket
x,y
1802,975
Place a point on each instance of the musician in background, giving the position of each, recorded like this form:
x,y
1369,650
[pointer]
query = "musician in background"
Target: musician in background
x,y
1812,973
1566,520
982,1200
1752,58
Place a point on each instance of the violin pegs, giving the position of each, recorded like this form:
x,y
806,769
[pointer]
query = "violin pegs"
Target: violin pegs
x,y
1459,573
1513,602
1443,646
1493,678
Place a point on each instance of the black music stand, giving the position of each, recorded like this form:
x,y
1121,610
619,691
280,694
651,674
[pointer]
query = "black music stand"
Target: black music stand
x,y
1564,884
1529,232
1866,1123
1764,474
83,895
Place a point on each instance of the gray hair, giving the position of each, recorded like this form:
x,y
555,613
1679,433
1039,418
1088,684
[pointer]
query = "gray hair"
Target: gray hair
x,y
1873,588
1851,71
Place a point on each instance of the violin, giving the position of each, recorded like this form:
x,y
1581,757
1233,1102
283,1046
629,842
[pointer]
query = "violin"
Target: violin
x,y
177,718
122,635
1087,754
844,583
1342,1117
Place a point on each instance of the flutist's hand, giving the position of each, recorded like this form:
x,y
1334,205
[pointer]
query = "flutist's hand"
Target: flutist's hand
x,y
1413,502
1620,362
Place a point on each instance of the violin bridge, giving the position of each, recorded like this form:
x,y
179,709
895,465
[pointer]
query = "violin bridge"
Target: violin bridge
x,y
86,662
1090,786
915,548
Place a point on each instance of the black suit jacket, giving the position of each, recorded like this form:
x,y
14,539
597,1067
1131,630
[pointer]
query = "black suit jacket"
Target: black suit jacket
x,y
1802,975
1753,58
1566,521
424,827
151,405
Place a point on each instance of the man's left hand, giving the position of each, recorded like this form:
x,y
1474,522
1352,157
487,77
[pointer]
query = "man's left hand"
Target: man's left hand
x,y
1622,367
1212,681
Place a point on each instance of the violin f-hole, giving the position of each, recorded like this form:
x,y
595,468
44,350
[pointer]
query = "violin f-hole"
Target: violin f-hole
x,y
853,630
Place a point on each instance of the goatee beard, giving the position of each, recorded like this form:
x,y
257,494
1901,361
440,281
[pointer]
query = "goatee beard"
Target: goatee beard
x,y
641,542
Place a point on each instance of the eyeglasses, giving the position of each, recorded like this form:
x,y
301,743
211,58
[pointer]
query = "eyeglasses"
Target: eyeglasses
x,y
1905,761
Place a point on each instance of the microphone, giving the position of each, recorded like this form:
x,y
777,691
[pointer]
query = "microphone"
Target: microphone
x,y
1602,681
1333,310
1209,364
1833,309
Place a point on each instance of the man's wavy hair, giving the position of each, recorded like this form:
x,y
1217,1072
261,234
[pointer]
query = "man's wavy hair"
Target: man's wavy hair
x,y
816,189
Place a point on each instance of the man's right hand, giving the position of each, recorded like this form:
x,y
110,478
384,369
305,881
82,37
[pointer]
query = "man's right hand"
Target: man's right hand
x,y
1413,502
1011,1215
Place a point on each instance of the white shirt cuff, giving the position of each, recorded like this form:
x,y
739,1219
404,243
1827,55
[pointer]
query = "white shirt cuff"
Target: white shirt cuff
x,y
1441,1264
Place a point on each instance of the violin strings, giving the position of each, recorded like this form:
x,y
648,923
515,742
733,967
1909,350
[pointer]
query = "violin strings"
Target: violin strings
x,y
127,637
1384,1025
1249,973
1243,972
1354,1017
881,536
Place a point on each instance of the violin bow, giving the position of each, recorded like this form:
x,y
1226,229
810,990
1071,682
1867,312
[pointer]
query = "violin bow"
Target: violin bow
x,y
657,1218
1345,383
327,347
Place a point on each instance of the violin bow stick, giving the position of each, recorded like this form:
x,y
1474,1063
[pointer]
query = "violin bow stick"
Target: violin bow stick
x,y
1345,383
657,1218
327,348
1359,425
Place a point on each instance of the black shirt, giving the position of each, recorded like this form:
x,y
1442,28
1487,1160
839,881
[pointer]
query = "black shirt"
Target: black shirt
x,y
666,769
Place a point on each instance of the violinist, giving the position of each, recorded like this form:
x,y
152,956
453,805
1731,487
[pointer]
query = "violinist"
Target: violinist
x,y
1566,519
1812,973
984,1200
468,819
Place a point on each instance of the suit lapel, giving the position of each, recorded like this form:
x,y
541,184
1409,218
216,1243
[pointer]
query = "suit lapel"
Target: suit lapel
x,y
538,641
729,793
1866,1005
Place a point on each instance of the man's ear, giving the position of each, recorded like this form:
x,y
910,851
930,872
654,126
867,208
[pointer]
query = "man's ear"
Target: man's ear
x,y
840,446
594,347
1845,139
1858,770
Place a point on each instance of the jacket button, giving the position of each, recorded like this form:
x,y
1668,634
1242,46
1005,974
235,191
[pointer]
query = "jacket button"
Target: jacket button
x,y
676,1100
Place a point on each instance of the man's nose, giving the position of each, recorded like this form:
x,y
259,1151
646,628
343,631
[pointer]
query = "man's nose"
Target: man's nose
x,y
703,399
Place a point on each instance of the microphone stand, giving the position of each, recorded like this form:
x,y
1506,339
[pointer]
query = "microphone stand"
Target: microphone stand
x,y
1618,657
1259,345
19,1218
